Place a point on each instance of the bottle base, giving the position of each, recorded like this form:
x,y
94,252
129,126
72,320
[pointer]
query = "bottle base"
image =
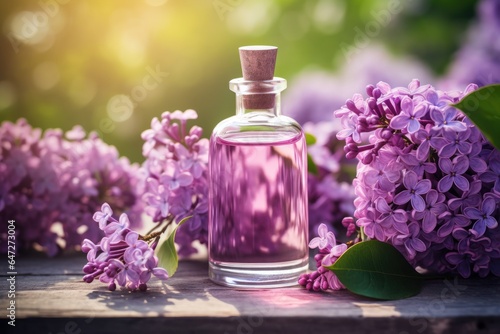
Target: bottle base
x,y
257,275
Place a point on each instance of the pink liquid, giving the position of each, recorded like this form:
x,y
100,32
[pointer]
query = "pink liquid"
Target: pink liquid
x,y
258,211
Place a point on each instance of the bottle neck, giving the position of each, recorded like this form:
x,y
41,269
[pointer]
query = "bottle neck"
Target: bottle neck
x,y
268,103
258,96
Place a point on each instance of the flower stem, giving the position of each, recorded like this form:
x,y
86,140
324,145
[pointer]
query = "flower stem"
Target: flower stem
x,y
362,234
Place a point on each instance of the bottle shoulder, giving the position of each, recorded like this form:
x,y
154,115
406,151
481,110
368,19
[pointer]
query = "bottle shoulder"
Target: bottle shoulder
x,y
257,128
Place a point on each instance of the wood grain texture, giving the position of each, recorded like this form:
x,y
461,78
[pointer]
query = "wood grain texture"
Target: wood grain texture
x,y
52,298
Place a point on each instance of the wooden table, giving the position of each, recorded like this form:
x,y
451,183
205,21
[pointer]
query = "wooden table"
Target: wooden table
x,y
51,298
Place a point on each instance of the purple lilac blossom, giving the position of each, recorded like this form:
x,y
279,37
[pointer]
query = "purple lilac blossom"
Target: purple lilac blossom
x,y
330,192
121,256
323,279
312,95
478,60
176,176
51,184
437,198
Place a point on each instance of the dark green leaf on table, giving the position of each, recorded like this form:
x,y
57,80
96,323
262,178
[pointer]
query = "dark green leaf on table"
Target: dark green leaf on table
x,y
378,270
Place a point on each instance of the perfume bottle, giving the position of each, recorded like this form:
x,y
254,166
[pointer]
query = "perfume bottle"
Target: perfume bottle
x,y
258,220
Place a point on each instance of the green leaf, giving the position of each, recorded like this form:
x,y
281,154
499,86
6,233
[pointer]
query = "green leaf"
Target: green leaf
x,y
483,108
311,166
376,269
167,253
310,139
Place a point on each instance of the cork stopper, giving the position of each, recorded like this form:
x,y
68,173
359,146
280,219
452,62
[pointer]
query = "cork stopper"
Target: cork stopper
x,y
257,64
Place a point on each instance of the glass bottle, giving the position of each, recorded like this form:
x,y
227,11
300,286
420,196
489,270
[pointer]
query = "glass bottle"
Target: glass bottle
x,y
258,220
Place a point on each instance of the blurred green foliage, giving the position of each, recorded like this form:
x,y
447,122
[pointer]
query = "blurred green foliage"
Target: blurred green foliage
x,y
67,62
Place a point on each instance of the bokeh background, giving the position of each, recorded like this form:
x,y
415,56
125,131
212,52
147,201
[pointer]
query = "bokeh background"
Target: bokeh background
x,y
112,66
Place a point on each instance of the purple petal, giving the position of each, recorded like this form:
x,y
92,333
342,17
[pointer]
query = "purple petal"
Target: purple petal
x,y
185,179
437,142
461,164
327,260
436,115
489,205
488,177
477,164
423,150
432,197
449,114
464,269
461,182
460,234
461,220
420,110
145,276
496,187
111,228
124,221
371,177
413,126
418,202
385,184
322,230
422,135
330,239
117,264
133,275
131,238
445,184
409,249
464,147
490,222
447,150
472,200
407,105
382,206
338,250
393,175
418,245
455,203
473,213
445,229
450,136
430,167
454,258
314,243
379,232
429,222
160,273
400,216
344,133
456,126
423,187
479,227
403,197
410,180
445,165
399,122
401,227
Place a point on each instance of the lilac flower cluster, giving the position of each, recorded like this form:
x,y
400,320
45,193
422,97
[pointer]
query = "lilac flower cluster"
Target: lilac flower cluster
x,y
176,176
427,179
478,60
323,279
122,256
51,184
330,191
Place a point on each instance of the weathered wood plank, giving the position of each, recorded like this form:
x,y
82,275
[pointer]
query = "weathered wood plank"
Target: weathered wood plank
x,y
50,297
